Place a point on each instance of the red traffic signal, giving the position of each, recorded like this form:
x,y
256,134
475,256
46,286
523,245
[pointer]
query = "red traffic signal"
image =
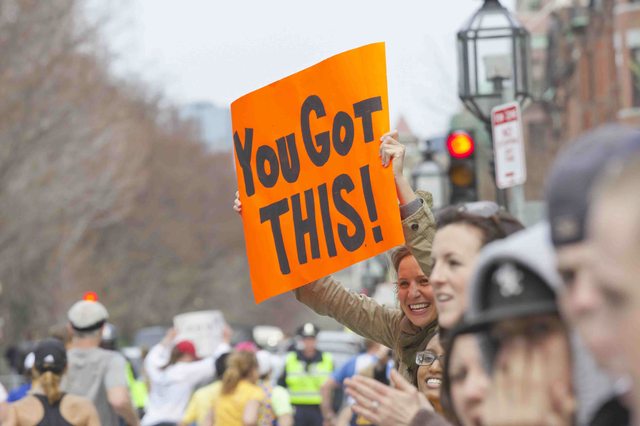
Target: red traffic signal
x,y
91,296
460,144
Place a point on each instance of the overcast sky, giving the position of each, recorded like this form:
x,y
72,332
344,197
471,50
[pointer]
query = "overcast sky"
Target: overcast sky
x,y
213,50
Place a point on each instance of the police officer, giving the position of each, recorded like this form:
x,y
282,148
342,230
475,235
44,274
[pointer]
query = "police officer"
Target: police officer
x,y
305,372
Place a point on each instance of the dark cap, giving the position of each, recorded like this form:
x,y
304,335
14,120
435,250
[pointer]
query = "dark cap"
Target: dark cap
x,y
308,330
510,290
573,174
50,355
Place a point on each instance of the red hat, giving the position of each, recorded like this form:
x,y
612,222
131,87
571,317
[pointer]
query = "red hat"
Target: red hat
x,y
187,347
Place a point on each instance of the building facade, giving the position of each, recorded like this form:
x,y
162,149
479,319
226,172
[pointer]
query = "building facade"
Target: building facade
x,y
585,67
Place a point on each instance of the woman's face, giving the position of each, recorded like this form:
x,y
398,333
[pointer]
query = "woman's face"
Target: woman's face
x,y
414,293
430,376
468,380
455,249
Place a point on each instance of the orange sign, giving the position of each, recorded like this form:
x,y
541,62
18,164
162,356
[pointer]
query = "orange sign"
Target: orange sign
x,y
315,197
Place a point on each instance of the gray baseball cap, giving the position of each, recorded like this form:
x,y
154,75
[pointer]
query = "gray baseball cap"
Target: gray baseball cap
x,y
574,173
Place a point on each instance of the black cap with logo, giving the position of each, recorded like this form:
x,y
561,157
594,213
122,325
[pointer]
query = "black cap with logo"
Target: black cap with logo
x,y
510,290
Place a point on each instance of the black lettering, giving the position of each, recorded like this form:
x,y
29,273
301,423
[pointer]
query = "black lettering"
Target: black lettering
x,y
368,193
272,213
370,201
350,242
326,220
364,109
244,158
289,160
342,120
306,226
265,155
322,140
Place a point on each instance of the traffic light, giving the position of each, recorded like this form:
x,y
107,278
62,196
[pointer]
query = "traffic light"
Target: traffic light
x,y
462,167
91,296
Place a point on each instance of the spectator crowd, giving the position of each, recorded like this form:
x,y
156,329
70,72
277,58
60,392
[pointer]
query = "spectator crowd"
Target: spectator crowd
x,y
495,324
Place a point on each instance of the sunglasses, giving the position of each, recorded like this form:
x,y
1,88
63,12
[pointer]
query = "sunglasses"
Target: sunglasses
x,y
428,358
484,208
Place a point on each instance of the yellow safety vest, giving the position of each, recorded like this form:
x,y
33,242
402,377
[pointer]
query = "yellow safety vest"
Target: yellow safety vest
x,y
137,388
304,386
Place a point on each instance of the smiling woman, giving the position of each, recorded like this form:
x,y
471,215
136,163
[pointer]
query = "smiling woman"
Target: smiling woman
x,y
429,364
414,289
405,330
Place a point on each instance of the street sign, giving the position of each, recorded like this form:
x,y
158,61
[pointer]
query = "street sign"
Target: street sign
x,y
508,145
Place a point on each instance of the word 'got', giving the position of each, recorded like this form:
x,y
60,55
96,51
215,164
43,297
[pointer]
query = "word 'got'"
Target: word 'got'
x,y
269,164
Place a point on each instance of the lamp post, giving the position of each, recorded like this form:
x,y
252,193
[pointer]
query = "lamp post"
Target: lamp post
x,y
493,63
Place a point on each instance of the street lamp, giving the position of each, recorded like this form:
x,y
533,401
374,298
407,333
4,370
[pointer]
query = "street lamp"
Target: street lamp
x,y
430,176
493,60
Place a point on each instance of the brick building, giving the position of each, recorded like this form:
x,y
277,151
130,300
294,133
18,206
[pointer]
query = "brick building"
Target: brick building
x,y
585,67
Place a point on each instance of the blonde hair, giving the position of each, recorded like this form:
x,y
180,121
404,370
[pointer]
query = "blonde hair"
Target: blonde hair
x,y
50,383
240,365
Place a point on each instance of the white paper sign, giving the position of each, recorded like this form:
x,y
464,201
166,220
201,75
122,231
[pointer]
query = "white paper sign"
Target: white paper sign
x,y
508,145
203,328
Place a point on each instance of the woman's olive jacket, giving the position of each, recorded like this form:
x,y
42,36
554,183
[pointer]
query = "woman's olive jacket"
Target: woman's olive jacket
x,y
366,317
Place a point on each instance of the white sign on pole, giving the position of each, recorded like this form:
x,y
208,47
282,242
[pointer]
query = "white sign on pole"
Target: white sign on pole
x,y
204,328
508,145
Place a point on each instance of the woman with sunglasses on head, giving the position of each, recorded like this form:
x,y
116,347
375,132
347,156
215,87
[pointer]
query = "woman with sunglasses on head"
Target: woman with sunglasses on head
x,y
462,230
47,404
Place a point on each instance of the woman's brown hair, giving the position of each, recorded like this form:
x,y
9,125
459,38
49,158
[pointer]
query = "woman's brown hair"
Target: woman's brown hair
x,y
173,357
396,255
491,220
240,365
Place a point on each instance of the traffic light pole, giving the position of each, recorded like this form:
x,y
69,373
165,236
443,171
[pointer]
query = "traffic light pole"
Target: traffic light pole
x,y
501,194
512,199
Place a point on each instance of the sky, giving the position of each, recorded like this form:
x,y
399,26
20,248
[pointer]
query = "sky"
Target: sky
x,y
217,51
